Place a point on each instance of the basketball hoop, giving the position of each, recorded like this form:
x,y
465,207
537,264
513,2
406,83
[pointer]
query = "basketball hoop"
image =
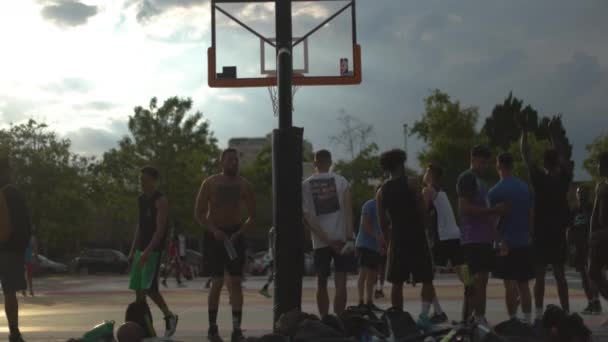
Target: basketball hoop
x,y
273,91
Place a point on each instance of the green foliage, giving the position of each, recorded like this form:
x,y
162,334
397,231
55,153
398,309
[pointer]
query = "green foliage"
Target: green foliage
x,y
449,132
54,182
178,143
537,149
599,145
501,127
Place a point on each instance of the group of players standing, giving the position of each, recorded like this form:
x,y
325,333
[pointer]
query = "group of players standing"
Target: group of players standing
x,y
511,230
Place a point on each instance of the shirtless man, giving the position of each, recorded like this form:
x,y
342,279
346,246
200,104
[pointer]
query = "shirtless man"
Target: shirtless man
x,y
219,209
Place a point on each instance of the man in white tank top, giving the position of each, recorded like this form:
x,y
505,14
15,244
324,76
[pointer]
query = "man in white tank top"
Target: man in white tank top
x,y
445,233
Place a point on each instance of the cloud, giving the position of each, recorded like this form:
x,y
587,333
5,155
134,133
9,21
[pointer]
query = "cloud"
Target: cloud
x,y
148,9
93,141
96,105
69,85
69,13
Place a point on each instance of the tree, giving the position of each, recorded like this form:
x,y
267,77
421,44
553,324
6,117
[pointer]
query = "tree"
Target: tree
x,y
178,143
448,130
54,182
501,127
599,145
355,134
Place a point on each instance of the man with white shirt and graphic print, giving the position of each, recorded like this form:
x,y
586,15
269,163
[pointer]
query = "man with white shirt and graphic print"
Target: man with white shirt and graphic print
x,y
327,210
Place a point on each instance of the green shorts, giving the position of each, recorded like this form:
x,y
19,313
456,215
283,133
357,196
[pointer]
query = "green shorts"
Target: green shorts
x,y
145,277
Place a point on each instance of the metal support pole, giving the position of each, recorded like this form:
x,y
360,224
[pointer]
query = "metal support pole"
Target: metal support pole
x,y
287,178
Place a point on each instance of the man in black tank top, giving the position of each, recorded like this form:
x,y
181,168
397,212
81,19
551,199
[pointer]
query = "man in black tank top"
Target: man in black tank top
x,y
148,245
409,258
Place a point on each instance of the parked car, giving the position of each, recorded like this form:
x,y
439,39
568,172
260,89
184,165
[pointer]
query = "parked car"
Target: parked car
x,y
260,264
100,260
46,266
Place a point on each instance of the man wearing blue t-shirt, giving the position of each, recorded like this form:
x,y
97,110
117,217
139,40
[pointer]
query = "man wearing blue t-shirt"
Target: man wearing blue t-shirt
x,y
370,249
514,262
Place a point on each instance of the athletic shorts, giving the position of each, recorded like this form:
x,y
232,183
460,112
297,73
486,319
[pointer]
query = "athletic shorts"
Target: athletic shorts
x,y
145,277
517,265
448,251
323,258
480,257
12,271
218,261
369,258
410,265
552,250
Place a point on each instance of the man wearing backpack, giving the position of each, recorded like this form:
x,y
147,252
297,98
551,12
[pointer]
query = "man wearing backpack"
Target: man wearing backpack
x,y
15,231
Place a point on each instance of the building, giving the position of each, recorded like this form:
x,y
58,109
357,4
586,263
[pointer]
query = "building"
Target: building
x,y
249,148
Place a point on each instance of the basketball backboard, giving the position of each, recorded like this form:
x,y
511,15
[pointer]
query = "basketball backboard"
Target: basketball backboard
x,y
243,47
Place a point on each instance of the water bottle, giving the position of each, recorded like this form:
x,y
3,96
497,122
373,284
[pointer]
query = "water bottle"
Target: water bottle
x,y
230,249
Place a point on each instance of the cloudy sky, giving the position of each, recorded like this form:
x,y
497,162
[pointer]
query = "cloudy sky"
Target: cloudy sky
x,y
82,65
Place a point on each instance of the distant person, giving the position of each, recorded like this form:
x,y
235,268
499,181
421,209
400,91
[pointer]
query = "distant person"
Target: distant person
x,y
16,227
551,186
371,248
219,208
327,209
478,223
271,253
514,264
148,246
173,263
578,239
409,256
598,253
445,231
31,257
182,248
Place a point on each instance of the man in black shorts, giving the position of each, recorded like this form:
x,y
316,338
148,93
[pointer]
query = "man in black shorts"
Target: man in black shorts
x,y
514,264
148,245
551,186
598,253
12,251
478,223
578,241
219,209
409,256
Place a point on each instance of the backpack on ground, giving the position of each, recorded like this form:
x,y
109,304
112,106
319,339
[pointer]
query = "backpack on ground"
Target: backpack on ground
x,y
400,323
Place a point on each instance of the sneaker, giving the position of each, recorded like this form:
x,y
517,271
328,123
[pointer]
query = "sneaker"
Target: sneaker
x,y
424,322
171,325
213,334
181,285
378,294
588,310
439,318
164,282
264,292
597,307
237,336
16,338
482,321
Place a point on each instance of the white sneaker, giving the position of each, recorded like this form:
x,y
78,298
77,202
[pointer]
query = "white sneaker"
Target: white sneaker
x,y
171,325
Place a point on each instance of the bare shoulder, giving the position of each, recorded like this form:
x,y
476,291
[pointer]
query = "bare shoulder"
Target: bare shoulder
x,y
245,184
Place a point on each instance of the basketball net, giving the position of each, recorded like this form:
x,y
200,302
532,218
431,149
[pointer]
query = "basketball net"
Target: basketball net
x,y
273,91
